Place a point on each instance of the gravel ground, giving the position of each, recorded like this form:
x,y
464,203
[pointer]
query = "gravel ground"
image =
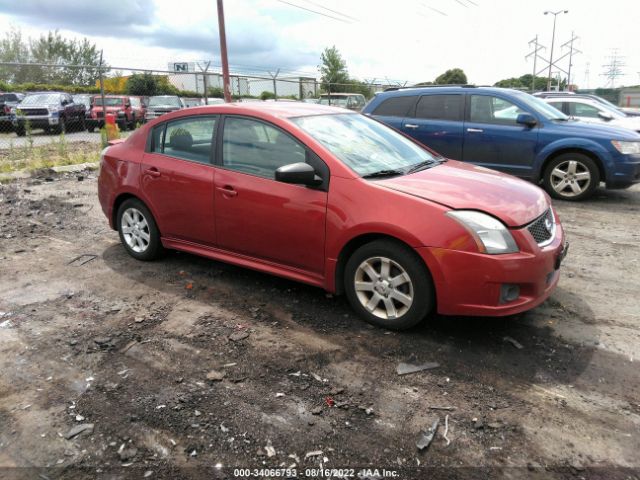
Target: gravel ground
x,y
11,140
187,368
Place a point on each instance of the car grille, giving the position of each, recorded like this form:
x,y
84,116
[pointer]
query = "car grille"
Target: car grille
x,y
543,229
35,111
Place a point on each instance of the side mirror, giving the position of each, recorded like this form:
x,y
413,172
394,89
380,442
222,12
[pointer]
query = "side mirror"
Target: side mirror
x,y
526,119
606,116
64,102
298,173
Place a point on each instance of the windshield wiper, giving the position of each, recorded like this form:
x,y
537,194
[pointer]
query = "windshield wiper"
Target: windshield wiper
x,y
421,166
384,173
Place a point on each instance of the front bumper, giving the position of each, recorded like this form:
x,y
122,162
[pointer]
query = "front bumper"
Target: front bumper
x,y
627,172
469,283
37,121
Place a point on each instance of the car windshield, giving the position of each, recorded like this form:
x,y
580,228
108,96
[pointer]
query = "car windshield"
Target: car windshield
x,y
337,101
611,109
7,97
157,101
135,102
363,144
108,102
41,99
541,107
83,99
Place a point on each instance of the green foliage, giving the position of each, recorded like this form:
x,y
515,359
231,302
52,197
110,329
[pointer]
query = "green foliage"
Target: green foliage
x,y
333,70
267,95
48,48
216,92
146,84
453,76
524,82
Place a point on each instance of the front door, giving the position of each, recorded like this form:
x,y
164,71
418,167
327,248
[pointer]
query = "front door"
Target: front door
x,y
493,138
177,177
257,216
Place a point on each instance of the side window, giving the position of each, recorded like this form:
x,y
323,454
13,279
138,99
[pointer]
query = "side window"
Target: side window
x,y
441,107
557,105
157,136
189,138
582,110
488,109
254,147
396,106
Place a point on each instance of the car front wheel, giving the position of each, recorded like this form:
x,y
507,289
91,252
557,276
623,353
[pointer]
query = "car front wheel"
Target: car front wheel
x,y
571,176
138,230
388,285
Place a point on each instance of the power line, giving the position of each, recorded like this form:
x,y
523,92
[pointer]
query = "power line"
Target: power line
x,y
314,11
463,4
329,10
613,69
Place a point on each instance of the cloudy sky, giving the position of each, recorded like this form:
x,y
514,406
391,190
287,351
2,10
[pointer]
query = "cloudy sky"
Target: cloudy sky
x,y
412,40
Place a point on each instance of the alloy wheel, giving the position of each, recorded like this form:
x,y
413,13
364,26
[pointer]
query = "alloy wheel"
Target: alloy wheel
x,y
135,230
570,178
383,287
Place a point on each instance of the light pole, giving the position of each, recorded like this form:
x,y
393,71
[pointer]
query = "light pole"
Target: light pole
x,y
553,38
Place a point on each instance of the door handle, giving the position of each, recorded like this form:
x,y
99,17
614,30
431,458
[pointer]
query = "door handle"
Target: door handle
x,y
412,126
228,191
153,171
475,130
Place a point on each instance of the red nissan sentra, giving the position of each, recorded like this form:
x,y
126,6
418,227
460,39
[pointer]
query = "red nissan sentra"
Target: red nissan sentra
x,y
337,200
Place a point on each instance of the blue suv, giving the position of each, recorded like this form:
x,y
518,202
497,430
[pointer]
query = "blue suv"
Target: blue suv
x,y
516,133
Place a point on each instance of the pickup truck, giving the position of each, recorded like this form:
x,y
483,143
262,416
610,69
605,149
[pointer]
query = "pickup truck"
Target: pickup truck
x,y
51,111
161,104
7,102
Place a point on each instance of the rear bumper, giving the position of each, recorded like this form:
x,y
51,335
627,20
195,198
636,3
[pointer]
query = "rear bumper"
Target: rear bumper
x,y
469,283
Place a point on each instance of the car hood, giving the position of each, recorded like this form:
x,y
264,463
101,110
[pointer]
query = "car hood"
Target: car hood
x,y
164,107
459,185
595,130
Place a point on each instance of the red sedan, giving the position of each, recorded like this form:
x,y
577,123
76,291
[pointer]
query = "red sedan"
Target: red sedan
x,y
337,200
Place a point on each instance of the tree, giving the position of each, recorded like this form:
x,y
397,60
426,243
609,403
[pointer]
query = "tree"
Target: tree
x,y
49,48
452,77
146,84
524,83
333,70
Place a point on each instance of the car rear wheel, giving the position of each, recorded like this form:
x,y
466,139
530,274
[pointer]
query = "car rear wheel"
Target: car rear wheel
x,y
138,230
388,285
571,176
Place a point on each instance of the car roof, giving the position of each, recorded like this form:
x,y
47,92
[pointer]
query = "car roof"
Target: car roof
x,y
273,109
443,89
341,94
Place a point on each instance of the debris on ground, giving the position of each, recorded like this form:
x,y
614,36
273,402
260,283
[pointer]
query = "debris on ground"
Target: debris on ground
x,y
406,368
127,454
237,336
79,429
315,453
271,452
434,407
446,430
330,401
513,342
426,436
215,375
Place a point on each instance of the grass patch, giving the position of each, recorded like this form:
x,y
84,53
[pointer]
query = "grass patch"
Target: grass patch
x,y
58,152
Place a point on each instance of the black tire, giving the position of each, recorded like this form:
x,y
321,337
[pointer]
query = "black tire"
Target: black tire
x,y
122,126
20,131
575,188
91,128
82,125
401,256
154,247
62,126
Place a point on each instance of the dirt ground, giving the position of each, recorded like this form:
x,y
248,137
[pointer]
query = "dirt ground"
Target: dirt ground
x,y
188,368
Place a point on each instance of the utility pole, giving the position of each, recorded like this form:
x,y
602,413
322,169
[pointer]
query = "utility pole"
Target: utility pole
x,y
537,47
104,108
223,53
204,80
571,52
553,39
613,69
275,90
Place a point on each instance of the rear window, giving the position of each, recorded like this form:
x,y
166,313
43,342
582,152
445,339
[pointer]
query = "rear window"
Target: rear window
x,y
441,107
396,106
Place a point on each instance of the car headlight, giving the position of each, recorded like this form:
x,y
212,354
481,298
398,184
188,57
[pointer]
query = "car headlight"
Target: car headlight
x,y
626,148
490,234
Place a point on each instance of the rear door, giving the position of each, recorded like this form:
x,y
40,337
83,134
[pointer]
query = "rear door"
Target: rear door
x,y
393,110
177,178
438,123
493,138
259,217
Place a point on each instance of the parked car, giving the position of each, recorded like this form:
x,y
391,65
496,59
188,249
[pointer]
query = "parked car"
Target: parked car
x,y
117,105
311,100
352,101
7,102
629,112
139,107
85,100
51,111
591,111
338,200
161,104
516,133
192,102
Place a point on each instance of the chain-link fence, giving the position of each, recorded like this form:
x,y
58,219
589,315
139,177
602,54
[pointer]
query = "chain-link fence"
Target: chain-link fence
x,y
49,111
